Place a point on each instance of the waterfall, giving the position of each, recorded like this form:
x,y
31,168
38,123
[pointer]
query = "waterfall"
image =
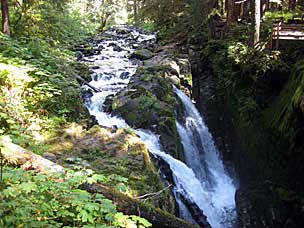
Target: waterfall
x,y
186,182
202,181
202,157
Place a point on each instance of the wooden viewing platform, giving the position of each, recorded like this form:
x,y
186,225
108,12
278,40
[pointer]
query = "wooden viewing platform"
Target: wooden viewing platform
x,y
281,31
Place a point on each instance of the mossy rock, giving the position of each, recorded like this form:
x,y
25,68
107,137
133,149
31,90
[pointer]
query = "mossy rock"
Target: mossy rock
x,y
142,54
179,63
149,102
109,152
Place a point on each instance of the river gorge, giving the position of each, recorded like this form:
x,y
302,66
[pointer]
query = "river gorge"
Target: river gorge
x,y
126,80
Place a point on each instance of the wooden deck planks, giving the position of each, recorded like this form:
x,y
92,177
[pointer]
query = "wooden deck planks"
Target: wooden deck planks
x,y
288,31
281,31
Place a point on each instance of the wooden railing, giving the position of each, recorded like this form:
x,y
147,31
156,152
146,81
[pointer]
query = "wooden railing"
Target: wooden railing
x,y
282,31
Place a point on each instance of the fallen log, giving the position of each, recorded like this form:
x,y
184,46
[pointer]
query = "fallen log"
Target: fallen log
x,y
96,90
16,155
129,206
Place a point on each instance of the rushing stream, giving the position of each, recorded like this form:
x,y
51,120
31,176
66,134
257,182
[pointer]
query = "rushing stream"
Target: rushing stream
x,y
202,181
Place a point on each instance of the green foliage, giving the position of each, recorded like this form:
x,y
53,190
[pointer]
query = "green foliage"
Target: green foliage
x,y
245,69
248,109
277,15
286,194
240,33
37,200
148,102
175,18
126,221
284,114
254,61
38,91
49,20
163,13
148,26
101,14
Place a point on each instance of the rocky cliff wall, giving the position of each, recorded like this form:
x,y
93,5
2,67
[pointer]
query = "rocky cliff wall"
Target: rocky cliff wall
x,y
258,126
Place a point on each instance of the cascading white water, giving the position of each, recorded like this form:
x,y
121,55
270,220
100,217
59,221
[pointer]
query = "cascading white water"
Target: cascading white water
x,y
186,182
195,185
203,158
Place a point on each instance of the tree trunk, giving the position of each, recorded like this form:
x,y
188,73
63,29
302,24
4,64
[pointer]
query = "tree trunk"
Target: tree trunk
x,y
135,11
231,12
16,155
257,21
292,4
104,21
5,17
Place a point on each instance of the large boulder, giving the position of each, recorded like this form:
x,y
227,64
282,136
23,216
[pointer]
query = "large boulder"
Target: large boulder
x,y
149,102
142,54
180,64
122,30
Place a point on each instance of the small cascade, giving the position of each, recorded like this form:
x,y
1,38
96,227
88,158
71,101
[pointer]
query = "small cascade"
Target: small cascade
x,y
112,70
202,181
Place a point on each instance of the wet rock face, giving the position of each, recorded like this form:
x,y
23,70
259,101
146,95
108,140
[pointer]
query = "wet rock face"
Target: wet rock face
x,y
196,213
209,101
86,94
255,207
180,68
180,63
267,206
258,154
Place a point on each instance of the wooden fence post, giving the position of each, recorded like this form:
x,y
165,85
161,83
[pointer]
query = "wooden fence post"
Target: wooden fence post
x,y
278,34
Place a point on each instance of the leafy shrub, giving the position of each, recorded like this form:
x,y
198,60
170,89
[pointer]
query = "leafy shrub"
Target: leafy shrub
x,y
148,26
36,200
240,32
245,69
38,91
252,60
51,21
248,109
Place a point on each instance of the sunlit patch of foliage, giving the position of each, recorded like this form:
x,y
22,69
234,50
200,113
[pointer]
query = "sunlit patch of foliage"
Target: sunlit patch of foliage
x,y
38,89
255,61
49,20
36,200
148,25
278,15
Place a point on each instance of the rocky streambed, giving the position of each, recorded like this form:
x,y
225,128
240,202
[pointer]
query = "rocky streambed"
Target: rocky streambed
x,y
137,89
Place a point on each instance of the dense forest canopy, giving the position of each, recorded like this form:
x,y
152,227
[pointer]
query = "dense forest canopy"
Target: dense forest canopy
x,y
21,17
